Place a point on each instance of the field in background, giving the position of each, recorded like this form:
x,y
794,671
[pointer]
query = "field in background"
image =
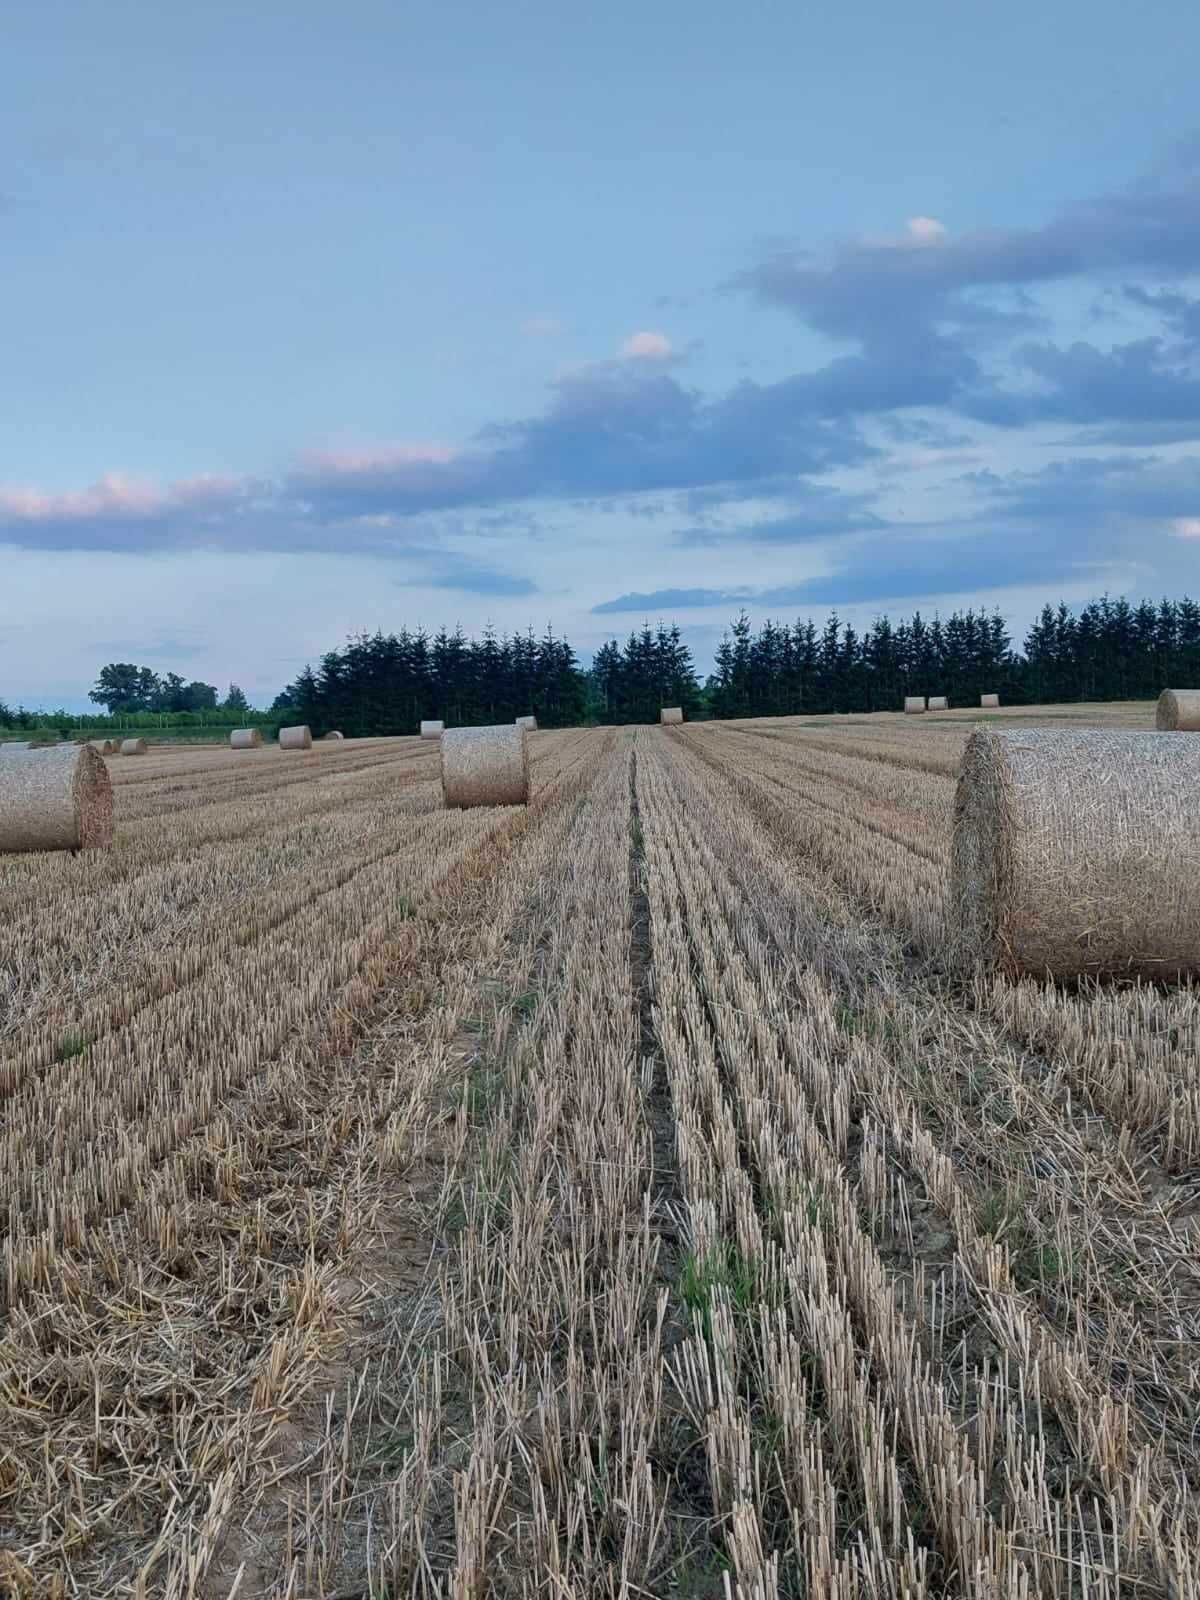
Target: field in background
x,y
611,1197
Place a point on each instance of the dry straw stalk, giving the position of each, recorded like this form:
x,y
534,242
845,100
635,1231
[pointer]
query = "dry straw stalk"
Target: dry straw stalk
x,y
914,703
528,723
246,738
1077,852
298,738
133,747
989,700
1178,711
671,714
432,729
485,767
58,799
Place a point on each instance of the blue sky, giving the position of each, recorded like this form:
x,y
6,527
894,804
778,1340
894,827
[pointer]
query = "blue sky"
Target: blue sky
x,y
317,318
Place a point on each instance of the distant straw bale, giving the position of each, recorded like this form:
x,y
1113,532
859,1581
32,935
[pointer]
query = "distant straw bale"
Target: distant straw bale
x,y
528,723
938,702
913,703
246,739
335,735
58,799
297,738
485,767
432,729
1076,853
989,701
670,715
134,747
1178,711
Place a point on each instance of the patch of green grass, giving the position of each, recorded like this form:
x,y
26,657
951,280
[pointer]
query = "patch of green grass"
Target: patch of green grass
x,y
526,1004
70,1045
484,1091
405,907
638,837
723,1268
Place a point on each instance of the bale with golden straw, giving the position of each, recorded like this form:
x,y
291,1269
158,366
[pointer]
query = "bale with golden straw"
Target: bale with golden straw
x,y
297,738
989,701
58,799
246,739
1076,853
432,729
134,747
528,723
913,704
669,715
1178,711
485,767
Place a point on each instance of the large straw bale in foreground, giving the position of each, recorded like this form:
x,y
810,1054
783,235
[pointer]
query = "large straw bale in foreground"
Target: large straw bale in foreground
x,y
246,739
297,738
528,723
58,799
485,767
938,702
432,729
989,701
1178,711
134,747
1077,852
671,715
913,703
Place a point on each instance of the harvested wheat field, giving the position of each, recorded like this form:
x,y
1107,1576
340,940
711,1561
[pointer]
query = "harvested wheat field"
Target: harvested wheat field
x,y
619,1195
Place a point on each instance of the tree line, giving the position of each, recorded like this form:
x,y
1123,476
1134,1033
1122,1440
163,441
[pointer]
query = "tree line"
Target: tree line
x,y
387,683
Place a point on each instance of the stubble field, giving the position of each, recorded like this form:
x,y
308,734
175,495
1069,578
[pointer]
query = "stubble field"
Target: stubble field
x,y
616,1196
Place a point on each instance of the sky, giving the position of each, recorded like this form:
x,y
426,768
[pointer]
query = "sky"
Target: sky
x,y
324,318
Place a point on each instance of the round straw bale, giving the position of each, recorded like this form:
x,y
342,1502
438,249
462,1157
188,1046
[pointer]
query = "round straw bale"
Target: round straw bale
x,y
485,767
112,747
938,702
334,734
297,738
15,744
432,730
245,739
989,700
1178,711
671,714
58,799
528,723
1077,852
913,703
133,747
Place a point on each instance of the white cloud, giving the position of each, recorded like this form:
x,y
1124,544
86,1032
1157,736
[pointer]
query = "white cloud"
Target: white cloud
x,y
927,230
1186,528
647,346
